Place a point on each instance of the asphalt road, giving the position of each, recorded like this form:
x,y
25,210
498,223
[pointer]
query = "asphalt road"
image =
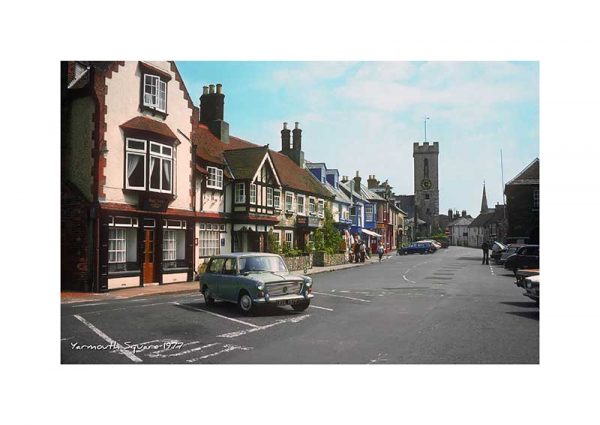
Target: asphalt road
x,y
441,308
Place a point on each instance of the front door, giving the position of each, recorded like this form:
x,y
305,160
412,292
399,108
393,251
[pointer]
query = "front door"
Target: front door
x,y
148,276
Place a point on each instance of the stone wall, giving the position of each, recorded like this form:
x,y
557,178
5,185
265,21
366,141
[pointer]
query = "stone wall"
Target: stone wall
x,y
322,259
298,263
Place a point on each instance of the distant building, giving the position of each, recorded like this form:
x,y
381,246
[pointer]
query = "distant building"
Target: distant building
x,y
523,205
458,231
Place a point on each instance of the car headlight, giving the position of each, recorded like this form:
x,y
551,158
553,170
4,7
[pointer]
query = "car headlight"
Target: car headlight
x,y
260,286
528,284
308,282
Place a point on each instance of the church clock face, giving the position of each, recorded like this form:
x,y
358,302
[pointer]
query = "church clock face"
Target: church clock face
x,y
426,184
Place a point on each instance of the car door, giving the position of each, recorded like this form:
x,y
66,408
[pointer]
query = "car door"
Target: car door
x,y
228,284
212,276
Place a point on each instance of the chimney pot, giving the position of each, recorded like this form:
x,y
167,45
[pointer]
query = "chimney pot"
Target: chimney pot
x,y
357,173
211,88
296,127
285,125
205,90
219,88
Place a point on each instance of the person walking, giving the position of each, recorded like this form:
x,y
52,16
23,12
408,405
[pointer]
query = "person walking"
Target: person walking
x,y
380,251
486,253
363,251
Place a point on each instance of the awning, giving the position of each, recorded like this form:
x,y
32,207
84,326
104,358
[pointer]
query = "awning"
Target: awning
x,y
370,233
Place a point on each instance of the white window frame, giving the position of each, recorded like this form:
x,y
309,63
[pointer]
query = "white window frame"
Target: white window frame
x,y
277,198
253,193
290,243
291,208
209,243
120,253
161,157
138,152
369,215
240,195
169,245
277,235
312,205
215,178
303,197
155,92
321,208
269,196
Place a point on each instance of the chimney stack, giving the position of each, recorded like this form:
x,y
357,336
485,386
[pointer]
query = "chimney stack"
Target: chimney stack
x,y
357,183
285,139
294,149
464,213
372,182
212,107
450,215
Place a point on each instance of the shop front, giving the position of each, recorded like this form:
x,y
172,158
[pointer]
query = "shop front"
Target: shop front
x,y
305,225
138,248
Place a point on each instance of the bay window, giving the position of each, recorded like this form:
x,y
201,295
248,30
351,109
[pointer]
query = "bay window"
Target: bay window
x,y
289,239
215,178
240,193
321,211
135,159
369,212
311,205
155,93
269,196
161,167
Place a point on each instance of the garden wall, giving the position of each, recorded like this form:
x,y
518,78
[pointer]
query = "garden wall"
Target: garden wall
x,y
322,259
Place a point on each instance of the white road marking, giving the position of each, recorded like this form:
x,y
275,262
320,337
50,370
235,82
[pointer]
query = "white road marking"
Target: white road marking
x,y
128,307
106,338
218,315
138,300
322,308
342,296
227,349
381,357
88,305
295,319
182,353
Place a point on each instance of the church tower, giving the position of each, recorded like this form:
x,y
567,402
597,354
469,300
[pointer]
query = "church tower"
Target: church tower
x,y
427,194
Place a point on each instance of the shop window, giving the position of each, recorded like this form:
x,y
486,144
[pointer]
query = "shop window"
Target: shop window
x,y
240,193
209,242
173,248
122,244
215,178
155,93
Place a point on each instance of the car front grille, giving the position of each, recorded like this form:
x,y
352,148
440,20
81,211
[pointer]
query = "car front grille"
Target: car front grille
x,y
283,288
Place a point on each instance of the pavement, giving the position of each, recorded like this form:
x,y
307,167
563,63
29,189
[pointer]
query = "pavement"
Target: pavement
x,y
70,297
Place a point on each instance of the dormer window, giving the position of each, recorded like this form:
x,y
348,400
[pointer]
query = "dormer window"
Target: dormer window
x,y
215,178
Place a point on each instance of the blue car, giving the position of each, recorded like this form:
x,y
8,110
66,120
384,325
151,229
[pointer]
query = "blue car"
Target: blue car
x,y
417,248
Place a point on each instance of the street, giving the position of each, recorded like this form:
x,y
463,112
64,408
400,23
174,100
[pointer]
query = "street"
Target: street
x,y
440,308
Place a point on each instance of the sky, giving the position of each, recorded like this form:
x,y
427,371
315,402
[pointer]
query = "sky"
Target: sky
x,y
365,116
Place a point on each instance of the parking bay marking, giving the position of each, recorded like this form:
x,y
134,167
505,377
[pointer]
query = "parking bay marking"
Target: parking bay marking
x,y
227,349
322,308
106,338
216,314
342,296
295,319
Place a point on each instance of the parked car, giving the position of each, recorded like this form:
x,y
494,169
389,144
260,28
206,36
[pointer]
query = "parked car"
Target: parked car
x,y
436,245
497,250
524,274
254,279
532,288
417,248
510,250
526,257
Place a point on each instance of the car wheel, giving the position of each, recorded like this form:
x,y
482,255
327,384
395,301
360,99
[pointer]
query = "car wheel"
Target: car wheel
x,y
207,298
301,306
245,303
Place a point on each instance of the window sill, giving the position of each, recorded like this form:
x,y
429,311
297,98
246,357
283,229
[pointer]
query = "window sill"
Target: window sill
x,y
154,111
129,273
214,187
176,270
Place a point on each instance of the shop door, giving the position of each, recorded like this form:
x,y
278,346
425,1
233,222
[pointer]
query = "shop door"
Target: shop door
x,y
148,256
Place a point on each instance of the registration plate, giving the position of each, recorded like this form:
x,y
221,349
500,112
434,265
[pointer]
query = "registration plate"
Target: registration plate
x,y
286,302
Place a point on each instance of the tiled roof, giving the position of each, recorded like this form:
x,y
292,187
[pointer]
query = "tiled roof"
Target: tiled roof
x,y
461,221
211,149
244,162
530,175
148,124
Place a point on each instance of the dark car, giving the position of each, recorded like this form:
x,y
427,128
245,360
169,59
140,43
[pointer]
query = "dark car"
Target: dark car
x,y
508,251
417,248
526,257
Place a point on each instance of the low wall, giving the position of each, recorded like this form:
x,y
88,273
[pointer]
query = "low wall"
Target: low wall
x,y
322,259
298,263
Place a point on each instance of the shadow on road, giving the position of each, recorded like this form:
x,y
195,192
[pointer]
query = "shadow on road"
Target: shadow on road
x,y
469,258
231,310
535,315
520,303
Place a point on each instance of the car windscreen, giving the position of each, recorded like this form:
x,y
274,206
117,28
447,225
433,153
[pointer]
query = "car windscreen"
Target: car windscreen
x,y
266,263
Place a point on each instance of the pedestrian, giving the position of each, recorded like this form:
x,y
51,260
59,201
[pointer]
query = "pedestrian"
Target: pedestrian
x,y
380,251
363,251
486,252
357,251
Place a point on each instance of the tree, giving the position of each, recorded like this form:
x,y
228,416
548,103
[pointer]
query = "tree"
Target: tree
x,y
272,244
328,238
